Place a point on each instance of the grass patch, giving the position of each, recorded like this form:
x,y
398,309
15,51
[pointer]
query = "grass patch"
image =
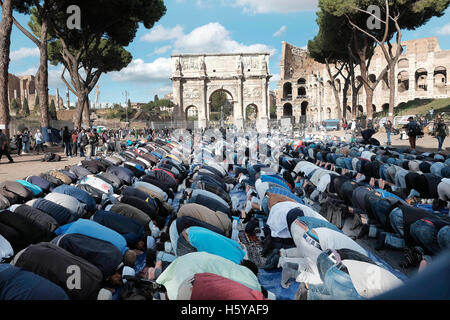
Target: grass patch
x,y
419,107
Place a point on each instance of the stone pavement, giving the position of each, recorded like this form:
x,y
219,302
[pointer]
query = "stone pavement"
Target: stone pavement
x,y
31,164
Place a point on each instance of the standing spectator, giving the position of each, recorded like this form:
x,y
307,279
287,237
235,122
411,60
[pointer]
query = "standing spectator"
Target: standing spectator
x,y
83,142
441,132
95,142
61,132
25,141
4,141
88,147
67,140
75,143
413,130
388,127
431,113
39,141
18,141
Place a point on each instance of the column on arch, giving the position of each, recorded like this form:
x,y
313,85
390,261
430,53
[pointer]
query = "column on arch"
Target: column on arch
x,y
238,106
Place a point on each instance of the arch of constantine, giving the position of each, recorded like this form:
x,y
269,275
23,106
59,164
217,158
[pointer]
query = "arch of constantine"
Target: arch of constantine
x,y
305,89
243,76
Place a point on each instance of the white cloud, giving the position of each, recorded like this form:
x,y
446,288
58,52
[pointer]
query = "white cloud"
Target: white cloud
x,y
162,50
23,53
54,76
274,81
280,31
159,33
140,71
276,6
30,71
445,30
214,38
164,90
54,79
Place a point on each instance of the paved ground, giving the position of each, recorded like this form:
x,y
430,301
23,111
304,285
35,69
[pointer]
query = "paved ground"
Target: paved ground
x,y
31,164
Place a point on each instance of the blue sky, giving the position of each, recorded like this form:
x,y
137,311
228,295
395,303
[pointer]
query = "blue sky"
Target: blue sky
x,y
192,26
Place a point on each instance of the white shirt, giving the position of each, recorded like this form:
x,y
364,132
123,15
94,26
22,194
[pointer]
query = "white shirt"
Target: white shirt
x,y
6,251
277,218
70,203
367,155
370,280
330,239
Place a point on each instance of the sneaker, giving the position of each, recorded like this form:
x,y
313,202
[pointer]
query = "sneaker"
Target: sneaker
x,y
12,161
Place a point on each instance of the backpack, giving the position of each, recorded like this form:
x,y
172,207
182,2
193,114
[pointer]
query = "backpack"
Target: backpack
x,y
333,209
139,289
49,156
415,130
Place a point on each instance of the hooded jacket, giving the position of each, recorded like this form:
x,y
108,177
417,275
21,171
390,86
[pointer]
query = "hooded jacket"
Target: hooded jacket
x,y
40,182
78,194
39,217
21,231
215,218
80,172
102,254
95,230
132,213
124,174
144,206
57,265
76,207
15,187
131,230
58,212
19,284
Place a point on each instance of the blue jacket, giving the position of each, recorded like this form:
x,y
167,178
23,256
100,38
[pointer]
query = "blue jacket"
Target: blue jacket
x,y
32,187
78,194
94,230
131,230
58,212
18,284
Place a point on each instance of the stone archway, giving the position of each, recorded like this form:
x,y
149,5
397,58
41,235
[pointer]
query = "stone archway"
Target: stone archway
x,y
251,113
304,111
243,76
191,113
287,110
221,104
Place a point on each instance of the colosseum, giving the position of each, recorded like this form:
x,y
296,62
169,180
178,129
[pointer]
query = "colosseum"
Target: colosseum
x,y
305,93
21,87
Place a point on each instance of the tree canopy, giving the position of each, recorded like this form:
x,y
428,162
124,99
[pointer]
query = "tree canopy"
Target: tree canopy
x,y
98,46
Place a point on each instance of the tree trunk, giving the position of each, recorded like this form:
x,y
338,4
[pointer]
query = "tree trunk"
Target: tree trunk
x,y
77,118
42,80
86,113
344,98
335,91
391,89
354,91
5,44
367,88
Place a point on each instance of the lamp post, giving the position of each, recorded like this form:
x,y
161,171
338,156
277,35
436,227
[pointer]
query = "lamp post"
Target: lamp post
x,y
126,94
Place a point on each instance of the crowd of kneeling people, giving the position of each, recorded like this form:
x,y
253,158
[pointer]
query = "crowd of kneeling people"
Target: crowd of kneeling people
x,y
158,220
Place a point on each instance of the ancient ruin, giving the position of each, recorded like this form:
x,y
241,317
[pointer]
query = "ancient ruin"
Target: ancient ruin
x,y
305,92
243,76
